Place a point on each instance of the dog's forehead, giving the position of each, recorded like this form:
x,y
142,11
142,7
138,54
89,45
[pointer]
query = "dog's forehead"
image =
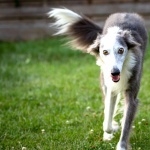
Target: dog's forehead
x,y
112,38
109,42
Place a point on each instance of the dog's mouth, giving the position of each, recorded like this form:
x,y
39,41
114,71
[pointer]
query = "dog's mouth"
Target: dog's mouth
x,y
115,78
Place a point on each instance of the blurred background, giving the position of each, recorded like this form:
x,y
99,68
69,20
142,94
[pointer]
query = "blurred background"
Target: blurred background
x,y
28,20
49,94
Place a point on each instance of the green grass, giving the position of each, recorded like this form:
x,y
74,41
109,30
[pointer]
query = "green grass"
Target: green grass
x,y
50,99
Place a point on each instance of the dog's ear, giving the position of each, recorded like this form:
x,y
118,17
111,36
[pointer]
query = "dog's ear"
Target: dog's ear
x,y
81,31
85,32
93,49
129,39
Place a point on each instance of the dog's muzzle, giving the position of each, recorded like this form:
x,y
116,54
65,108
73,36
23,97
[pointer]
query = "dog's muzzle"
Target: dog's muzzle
x,y
115,74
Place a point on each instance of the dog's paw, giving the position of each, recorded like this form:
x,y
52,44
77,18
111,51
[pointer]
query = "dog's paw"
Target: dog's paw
x,y
120,148
107,136
123,146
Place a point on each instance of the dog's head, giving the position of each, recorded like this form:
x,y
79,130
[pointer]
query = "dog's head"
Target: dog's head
x,y
110,48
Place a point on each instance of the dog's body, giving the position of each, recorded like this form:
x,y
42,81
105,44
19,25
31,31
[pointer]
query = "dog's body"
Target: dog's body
x,y
119,48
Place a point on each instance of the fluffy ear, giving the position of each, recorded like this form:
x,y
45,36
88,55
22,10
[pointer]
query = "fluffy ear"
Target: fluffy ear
x,y
81,31
93,49
129,39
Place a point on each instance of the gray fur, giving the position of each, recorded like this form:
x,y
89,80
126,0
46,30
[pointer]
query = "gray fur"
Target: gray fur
x,y
133,36
133,23
129,21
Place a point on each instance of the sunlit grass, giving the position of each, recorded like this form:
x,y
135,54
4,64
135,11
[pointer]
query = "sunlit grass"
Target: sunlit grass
x,y
50,99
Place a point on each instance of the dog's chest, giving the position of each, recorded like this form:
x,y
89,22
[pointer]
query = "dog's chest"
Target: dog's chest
x,y
120,86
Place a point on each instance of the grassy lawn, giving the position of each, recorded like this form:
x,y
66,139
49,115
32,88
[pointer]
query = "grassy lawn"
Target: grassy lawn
x,y
50,99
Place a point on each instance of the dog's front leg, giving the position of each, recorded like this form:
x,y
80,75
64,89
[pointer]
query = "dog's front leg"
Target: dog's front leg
x,y
109,103
129,113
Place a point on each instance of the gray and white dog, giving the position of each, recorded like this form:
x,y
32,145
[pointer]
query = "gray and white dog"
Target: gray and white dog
x,y
119,48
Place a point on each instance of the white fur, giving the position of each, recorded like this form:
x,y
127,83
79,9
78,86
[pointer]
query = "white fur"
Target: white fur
x,y
113,31
64,18
122,85
107,136
119,147
118,87
107,124
123,62
93,46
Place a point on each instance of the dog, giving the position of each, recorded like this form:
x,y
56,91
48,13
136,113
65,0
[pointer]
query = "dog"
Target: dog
x,y
119,48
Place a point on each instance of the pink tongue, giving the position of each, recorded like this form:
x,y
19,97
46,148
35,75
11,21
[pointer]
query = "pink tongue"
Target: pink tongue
x,y
116,78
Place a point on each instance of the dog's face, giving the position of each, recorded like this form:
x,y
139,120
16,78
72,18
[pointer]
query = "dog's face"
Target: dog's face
x,y
113,51
110,45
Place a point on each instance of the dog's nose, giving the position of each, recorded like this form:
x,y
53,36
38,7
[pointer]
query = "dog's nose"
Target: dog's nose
x,y
115,72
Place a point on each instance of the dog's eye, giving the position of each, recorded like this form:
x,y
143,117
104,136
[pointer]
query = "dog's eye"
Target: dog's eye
x,y
120,51
105,52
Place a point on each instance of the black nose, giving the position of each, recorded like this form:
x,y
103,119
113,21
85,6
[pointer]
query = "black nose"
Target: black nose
x,y
115,72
